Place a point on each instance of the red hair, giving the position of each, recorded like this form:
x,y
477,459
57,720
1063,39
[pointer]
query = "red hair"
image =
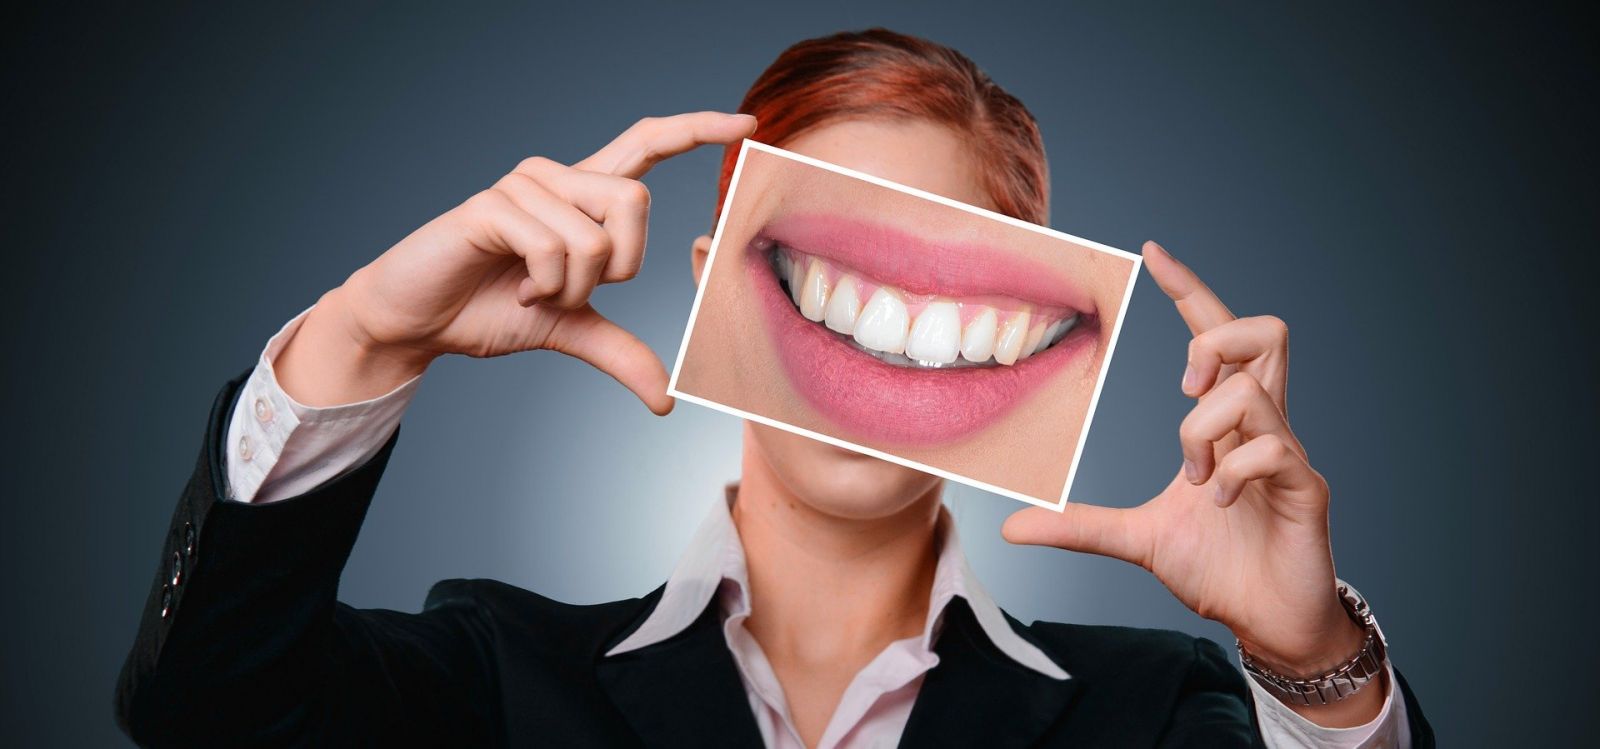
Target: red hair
x,y
880,74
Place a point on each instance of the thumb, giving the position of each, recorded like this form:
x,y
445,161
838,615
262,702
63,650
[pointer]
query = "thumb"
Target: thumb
x,y
588,335
1106,531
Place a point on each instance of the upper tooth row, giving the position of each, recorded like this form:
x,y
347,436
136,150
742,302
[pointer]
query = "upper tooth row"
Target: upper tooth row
x,y
935,336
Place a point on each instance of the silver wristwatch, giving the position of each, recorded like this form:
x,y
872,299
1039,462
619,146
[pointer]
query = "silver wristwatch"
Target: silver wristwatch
x,y
1361,669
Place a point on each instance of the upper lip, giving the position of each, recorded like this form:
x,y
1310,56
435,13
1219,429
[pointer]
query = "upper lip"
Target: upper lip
x,y
920,265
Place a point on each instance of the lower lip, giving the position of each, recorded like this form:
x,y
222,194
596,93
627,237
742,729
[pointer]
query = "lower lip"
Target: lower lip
x,y
889,405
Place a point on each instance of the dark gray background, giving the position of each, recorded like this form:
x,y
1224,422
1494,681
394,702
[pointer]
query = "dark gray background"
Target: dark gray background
x,y
1412,191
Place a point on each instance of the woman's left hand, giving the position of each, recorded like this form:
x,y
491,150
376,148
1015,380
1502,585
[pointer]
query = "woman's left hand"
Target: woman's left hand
x,y
1240,535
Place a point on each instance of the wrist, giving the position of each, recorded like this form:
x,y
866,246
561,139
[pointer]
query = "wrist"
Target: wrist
x,y
332,360
1325,644
1331,685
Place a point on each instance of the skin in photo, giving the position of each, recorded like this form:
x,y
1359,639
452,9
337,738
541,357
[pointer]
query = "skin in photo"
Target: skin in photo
x,y
904,325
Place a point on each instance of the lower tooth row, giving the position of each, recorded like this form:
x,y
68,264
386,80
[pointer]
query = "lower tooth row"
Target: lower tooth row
x,y
935,338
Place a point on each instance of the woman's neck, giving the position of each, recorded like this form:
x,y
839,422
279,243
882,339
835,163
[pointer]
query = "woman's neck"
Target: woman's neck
x,y
826,589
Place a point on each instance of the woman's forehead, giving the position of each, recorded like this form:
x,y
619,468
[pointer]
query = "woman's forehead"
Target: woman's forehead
x,y
917,153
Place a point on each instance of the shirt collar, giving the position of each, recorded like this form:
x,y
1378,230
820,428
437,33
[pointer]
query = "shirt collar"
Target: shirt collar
x,y
715,556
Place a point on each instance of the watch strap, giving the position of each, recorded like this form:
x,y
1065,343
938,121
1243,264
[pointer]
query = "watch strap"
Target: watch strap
x,y
1340,682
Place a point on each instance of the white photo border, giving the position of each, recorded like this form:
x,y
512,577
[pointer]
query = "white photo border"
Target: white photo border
x,y
1100,378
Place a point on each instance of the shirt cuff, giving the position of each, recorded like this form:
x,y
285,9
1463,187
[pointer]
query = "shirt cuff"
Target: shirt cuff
x,y
1282,727
279,448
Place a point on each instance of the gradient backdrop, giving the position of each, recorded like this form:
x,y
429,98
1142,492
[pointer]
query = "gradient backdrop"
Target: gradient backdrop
x,y
1413,192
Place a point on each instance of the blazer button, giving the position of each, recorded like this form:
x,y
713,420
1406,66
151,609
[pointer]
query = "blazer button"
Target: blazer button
x,y
188,539
166,600
176,576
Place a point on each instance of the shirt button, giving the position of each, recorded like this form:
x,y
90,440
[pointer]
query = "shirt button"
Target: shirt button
x,y
188,539
176,575
244,447
263,411
166,600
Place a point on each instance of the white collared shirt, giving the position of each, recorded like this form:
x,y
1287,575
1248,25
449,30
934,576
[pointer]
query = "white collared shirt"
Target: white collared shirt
x,y
875,706
279,448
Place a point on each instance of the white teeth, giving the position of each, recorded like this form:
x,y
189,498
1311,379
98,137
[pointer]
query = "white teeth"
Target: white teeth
x,y
1067,325
1050,334
814,291
977,343
1030,345
883,322
1008,348
843,307
936,335
791,267
936,338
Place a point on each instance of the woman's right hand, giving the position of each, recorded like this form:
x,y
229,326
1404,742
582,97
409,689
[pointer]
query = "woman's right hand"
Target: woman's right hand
x,y
511,269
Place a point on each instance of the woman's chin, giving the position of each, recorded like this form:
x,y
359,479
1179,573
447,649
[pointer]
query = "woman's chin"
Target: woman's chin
x,y
864,508
842,483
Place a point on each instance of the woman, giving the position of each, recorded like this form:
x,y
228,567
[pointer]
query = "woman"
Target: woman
x,y
827,602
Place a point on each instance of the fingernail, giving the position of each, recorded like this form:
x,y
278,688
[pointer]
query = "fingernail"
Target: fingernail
x,y
1191,470
1188,378
1216,495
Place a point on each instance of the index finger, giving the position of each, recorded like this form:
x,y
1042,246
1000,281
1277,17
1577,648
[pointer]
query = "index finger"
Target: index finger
x,y
653,139
1198,305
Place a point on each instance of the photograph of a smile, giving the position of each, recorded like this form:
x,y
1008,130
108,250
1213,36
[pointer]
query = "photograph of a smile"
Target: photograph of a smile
x,y
903,324
905,339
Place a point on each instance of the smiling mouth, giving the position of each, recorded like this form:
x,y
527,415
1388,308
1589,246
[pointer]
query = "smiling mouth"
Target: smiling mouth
x,y
901,340
921,331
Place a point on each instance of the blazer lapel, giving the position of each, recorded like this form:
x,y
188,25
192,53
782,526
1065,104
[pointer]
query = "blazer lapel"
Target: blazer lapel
x,y
685,691
977,696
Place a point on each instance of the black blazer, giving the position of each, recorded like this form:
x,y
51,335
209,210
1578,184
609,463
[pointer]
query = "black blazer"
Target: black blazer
x,y
243,643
